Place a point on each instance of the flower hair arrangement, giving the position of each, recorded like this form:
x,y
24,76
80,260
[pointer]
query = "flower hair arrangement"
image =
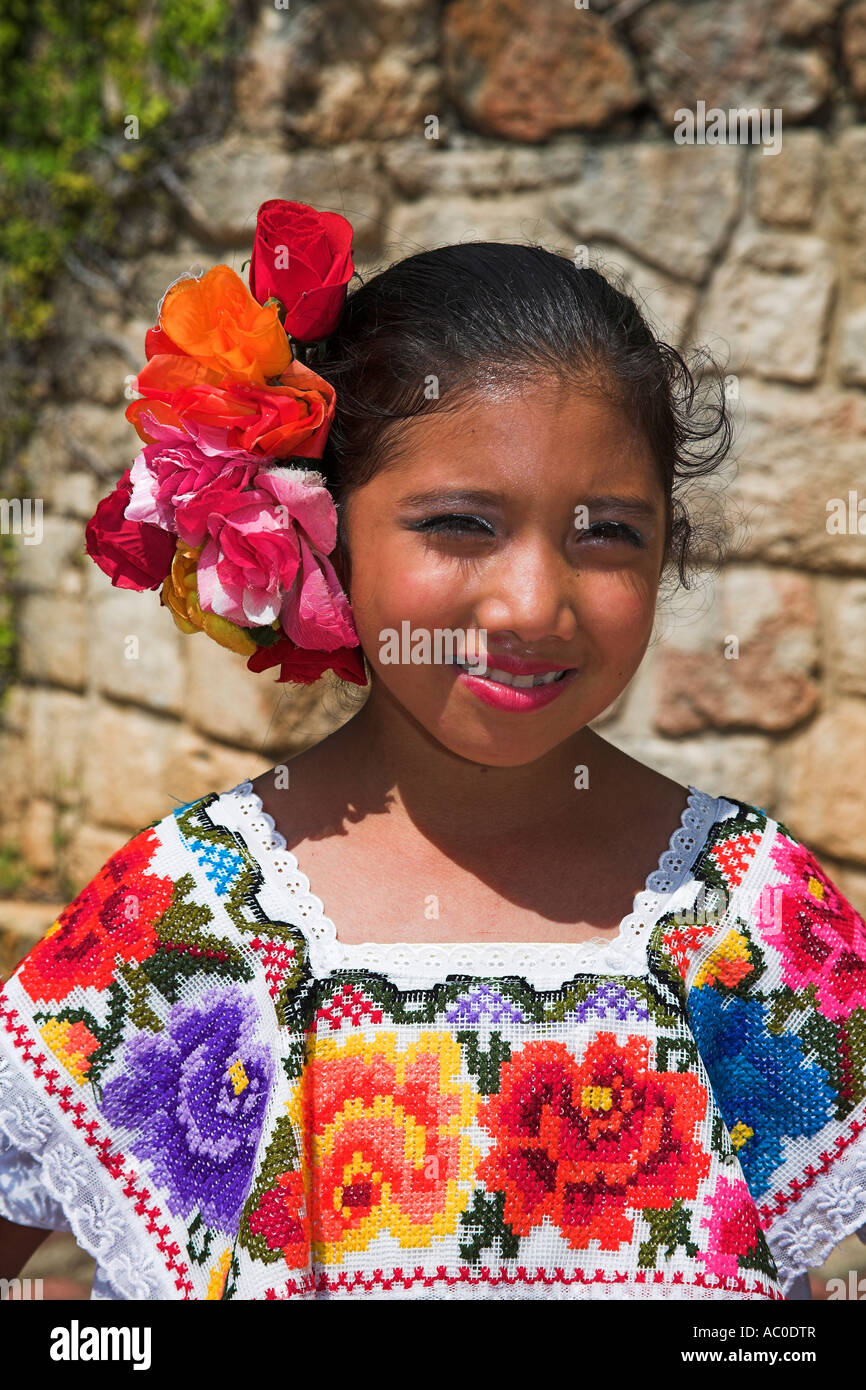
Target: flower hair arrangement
x,y
223,510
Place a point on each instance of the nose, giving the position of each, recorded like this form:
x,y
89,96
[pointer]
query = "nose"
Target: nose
x,y
529,591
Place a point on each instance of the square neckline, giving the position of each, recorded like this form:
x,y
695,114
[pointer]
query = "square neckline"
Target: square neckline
x,y
422,963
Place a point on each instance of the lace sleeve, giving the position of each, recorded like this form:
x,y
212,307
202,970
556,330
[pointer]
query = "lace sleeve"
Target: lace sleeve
x,y
23,1198
46,1182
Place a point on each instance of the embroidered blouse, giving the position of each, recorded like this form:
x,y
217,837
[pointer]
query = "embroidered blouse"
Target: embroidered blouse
x,y
222,1100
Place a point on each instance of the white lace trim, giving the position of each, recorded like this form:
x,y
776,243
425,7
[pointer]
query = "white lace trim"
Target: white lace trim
x,y
51,1159
546,964
835,1207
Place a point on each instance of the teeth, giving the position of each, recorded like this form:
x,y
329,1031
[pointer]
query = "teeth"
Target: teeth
x,y
518,682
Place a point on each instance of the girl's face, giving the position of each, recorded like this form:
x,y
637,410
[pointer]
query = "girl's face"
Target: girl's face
x,y
537,518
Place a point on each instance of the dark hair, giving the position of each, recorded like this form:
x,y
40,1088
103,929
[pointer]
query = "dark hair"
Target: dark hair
x,y
480,312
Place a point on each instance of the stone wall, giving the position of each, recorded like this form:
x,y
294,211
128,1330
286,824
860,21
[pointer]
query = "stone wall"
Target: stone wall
x,y
428,123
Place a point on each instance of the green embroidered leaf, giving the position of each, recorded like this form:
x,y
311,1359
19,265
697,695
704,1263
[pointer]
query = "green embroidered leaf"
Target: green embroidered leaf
x,y
185,948
689,1059
487,1229
140,1011
485,1065
759,1257
670,1229
200,1240
832,1045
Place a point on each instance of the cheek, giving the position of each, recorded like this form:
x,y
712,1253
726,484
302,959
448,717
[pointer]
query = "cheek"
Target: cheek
x,y
618,604
397,586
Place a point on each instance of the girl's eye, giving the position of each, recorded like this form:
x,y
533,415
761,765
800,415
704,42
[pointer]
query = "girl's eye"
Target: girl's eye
x,y
615,531
455,524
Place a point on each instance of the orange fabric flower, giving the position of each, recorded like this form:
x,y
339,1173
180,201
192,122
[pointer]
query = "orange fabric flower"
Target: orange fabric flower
x,y
291,417
217,322
179,594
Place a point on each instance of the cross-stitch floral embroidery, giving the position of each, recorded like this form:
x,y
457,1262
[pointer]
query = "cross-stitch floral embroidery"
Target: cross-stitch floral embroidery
x,y
821,938
221,1113
581,1142
195,1095
112,917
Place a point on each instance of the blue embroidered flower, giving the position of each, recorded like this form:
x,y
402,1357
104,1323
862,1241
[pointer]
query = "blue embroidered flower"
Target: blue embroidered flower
x,y
194,1097
765,1089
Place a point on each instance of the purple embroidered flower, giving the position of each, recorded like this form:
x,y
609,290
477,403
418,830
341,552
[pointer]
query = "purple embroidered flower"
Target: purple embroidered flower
x,y
194,1097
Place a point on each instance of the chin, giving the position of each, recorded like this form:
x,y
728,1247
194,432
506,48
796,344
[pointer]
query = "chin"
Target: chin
x,y
509,748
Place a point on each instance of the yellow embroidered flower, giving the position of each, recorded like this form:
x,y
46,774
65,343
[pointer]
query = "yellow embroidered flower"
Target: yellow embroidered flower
x,y
73,1043
728,962
390,1148
740,1133
217,1278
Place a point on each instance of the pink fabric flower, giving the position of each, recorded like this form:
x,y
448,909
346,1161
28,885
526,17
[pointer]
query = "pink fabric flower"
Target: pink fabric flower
x,y
177,483
265,559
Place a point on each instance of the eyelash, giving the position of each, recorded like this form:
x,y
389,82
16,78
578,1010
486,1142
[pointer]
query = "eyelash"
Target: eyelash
x,y
450,524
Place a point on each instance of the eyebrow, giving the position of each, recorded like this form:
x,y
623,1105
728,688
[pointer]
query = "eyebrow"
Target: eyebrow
x,y
635,506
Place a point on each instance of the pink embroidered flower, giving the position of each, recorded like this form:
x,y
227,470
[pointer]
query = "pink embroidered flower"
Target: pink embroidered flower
x,y
820,937
734,1228
265,558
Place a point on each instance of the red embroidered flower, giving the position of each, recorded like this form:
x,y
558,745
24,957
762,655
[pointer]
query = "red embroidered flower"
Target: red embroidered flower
x,y
582,1142
281,1218
112,916
820,937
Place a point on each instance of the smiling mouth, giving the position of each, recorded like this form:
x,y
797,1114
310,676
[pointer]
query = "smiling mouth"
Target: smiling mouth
x,y
516,682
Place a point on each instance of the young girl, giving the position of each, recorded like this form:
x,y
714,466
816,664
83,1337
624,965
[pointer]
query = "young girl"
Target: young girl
x,y
462,1002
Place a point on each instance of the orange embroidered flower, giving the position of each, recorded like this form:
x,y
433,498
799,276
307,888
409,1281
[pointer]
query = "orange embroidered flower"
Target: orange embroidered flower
x,y
112,916
390,1149
217,321
582,1142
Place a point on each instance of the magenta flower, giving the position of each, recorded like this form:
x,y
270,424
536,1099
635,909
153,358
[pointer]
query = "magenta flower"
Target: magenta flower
x,y
819,935
178,472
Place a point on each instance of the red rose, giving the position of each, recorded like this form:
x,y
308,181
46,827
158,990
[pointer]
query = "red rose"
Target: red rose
x,y
303,258
305,667
134,554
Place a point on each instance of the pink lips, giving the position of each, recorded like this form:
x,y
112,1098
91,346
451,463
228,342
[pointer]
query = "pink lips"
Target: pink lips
x,y
509,697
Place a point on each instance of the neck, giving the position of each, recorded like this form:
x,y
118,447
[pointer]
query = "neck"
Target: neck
x,y
449,798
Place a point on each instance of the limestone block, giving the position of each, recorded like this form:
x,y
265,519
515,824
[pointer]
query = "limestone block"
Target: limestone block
x,y
822,789
769,301
135,650
788,185
568,70
53,640
625,194
734,55
749,661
